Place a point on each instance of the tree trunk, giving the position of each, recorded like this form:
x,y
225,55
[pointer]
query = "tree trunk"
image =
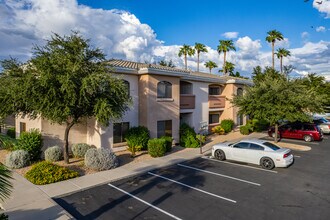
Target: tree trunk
x,y
273,61
185,61
224,63
66,144
276,133
197,62
210,70
281,63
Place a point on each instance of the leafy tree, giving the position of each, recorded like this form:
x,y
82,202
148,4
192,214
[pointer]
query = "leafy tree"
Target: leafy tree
x,y
272,37
210,64
165,63
276,98
228,68
282,52
199,48
5,184
65,82
224,47
288,69
185,51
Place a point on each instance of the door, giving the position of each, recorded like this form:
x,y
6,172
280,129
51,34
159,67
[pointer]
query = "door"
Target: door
x,y
239,151
255,153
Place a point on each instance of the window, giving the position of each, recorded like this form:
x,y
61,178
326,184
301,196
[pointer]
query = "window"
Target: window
x,y
214,118
242,145
164,90
214,90
185,88
272,146
239,91
119,132
126,84
255,147
22,127
309,127
164,128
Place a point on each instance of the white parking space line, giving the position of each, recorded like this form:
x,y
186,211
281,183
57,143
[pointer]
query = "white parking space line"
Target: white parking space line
x,y
296,156
218,174
147,203
191,187
241,165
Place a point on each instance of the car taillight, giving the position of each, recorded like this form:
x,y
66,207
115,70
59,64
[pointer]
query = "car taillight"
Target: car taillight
x,y
329,126
286,155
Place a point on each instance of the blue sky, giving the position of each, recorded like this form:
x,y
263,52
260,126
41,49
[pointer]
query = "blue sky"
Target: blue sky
x,y
150,31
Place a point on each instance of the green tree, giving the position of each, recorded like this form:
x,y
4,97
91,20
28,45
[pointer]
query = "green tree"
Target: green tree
x,y
199,48
165,63
210,64
228,68
276,98
272,37
5,184
224,47
282,52
185,51
65,82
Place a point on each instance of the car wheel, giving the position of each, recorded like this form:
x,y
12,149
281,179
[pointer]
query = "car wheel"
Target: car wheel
x,y
267,163
220,155
308,138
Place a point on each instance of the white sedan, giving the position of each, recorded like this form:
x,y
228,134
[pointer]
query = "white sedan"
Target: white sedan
x,y
255,151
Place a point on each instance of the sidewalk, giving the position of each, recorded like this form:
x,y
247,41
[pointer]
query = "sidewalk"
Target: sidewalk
x,y
29,201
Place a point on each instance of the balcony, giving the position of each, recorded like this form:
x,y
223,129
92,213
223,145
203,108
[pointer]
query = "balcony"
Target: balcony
x,y
187,101
216,101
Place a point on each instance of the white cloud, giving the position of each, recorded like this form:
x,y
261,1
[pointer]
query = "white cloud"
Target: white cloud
x,y
321,29
304,35
230,35
324,7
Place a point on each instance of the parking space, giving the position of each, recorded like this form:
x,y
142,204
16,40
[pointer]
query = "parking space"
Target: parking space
x,y
204,188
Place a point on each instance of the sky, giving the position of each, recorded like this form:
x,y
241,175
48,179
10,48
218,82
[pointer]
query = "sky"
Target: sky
x,y
150,31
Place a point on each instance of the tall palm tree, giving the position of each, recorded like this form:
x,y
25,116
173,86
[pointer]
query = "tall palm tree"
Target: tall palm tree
x,y
5,185
186,50
210,64
228,68
200,48
272,37
282,52
224,47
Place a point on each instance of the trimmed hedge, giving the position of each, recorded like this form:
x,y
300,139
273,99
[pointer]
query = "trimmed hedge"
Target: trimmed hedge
x,y
53,154
137,139
79,150
188,136
245,130
100,159
45,173
218,130
157,147
31,142
18,159
169,141
227,125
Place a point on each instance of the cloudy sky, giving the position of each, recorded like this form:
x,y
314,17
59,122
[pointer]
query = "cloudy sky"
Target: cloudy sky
x,y
150,31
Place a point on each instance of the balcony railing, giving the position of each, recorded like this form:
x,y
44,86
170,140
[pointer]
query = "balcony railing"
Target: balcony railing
x,y
187,101
216,101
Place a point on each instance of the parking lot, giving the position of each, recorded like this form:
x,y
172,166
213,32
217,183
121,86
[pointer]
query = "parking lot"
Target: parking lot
x,y
205,188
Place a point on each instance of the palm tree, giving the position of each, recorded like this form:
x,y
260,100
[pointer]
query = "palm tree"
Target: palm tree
x,y
223,47
228,68
186,50
273,36
5,185
200,48
210,64
282,52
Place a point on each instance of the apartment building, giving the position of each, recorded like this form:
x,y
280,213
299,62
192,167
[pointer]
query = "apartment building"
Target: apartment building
x,y
163,98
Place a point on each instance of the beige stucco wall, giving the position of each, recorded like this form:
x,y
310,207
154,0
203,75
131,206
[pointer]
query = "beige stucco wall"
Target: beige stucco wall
x,y
30,124
8,122
152,109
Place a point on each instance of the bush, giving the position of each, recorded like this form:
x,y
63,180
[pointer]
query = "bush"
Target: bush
x,y
201,139
218,130
245,130
137,139
18,159
227,125
7,142
11,132
79,150
31,142
100,159
188,136
157,147
45,172
258,125
53,154
168,143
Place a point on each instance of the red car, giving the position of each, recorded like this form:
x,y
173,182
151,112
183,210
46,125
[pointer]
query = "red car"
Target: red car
x,y
305,131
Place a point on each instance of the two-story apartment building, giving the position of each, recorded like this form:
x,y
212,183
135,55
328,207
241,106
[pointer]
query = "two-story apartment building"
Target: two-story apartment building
x,y
163,98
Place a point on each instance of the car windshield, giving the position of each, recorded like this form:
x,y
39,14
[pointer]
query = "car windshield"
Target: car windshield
x,y
272,146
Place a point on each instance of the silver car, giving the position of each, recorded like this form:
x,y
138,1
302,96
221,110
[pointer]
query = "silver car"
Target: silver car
x,y
323,124
254,151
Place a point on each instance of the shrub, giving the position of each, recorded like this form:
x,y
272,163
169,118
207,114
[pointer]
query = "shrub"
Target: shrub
x,y
218,130
18,159
168,143
79,150
188,136
45,172
100,159
11,132
31,142
227,125
157,147
245,130
53,154
137,139
201,139
258,125
7,142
